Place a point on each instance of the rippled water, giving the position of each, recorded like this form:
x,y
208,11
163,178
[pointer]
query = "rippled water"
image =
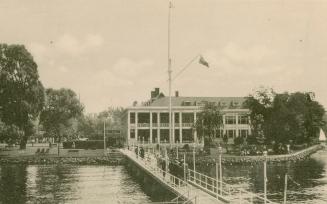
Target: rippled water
x,y
112,184
68,184
307,181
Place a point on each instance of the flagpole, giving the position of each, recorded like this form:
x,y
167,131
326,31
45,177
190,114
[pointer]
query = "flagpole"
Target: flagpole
x,y
169,73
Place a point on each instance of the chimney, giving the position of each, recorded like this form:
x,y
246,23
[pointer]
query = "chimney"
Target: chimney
x,y
155,93
156,90
176,94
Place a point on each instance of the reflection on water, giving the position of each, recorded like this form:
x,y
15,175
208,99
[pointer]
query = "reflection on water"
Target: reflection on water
x,y
112,184
307,181
68,184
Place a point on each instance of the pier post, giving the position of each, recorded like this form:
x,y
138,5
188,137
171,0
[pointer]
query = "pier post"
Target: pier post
x,y
184,167
217,178
220,171
265,175
194,159
285,189
166,160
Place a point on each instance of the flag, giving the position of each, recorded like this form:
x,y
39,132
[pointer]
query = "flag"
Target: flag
x,y
203,61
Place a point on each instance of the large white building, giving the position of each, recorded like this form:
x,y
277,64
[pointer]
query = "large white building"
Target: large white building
x,y
149,122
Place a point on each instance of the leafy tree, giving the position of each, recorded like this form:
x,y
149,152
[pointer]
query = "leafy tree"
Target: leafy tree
x,y
9,133
62,107
21,92
87,127
91,126
286,117
209,120
259,104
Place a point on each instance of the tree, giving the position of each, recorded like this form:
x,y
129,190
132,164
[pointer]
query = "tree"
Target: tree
x,y
9,133
91,126
209,120
259,104
285,117
21,92
62,107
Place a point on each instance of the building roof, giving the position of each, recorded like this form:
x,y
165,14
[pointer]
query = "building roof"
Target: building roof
x,y
236,102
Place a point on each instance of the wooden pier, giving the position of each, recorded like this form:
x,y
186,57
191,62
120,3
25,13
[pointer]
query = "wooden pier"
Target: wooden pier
x,y
197,188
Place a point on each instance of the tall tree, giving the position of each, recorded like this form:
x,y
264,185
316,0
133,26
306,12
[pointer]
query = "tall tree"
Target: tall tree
x,y
209,120
21,92
286,117
62,107
259,103
91,126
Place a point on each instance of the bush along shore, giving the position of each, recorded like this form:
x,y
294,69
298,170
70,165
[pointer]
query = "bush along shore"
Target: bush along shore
x,y
101,160
228,159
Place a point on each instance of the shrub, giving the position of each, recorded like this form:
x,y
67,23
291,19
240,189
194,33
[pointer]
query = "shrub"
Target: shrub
x,y
238,140
90,144
186,147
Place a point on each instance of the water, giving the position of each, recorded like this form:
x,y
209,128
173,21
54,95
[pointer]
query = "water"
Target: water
x,y
68,184
112,184
307,181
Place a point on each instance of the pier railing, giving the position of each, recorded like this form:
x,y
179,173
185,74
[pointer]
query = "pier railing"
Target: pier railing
x,y
196,180
220,189
169,179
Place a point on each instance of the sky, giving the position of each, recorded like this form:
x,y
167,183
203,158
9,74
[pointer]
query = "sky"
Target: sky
x,y
114,52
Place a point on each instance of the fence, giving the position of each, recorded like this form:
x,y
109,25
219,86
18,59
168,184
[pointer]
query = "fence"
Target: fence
x,y
224,190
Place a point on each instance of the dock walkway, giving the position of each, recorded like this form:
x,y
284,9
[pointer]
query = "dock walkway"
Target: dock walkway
x,y
188,192
197,188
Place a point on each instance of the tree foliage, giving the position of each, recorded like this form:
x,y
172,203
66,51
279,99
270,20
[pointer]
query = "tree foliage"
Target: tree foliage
x,y
91,126
284,117
209,120
21,92
9,134
60,113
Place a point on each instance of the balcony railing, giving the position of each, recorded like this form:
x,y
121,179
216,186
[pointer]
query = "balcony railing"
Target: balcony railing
x,y
187,124
155,125
143,125
164,124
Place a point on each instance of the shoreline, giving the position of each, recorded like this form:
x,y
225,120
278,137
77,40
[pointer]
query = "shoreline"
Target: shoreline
x,y
120,159
82,160
229,159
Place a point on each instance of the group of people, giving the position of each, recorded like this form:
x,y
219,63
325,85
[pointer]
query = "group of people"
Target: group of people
x,y
139,152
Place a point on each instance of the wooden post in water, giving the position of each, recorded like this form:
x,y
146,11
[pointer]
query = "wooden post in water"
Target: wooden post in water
x,y
184,165
265,176
194,160
217,178
166,160
220,171
285,189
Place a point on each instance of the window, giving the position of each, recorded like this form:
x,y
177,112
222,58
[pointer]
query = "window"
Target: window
x,y
132,134
164,117
243,133
187,117
154,136
176,117
154,117
164,136
177,136
231,133
186,103
230,119
143,118
243,119
132,118
187,135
